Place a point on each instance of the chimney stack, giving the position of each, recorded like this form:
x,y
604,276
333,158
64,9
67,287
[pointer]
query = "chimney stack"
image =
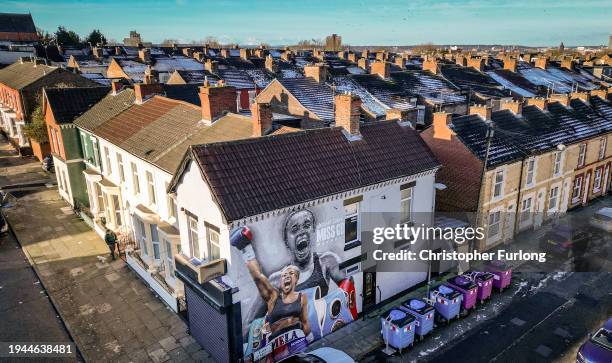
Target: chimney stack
x,y
401,115
116,86
483,110
441,129
270,66
262,118
118,51
381,56
602,93
430,64
515,106
541,62
348,111
211,66
342,54
352,57
216,100
317,71
97,52
539,102
245,53
286,55
260,52
567,63
476,63
150,75
381,68
400,61
562,98
145,55
225,53
362,63
143,91
188,52
510,64
461,60
584,96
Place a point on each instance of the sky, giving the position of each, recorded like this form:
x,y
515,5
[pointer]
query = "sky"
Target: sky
x,y
359,22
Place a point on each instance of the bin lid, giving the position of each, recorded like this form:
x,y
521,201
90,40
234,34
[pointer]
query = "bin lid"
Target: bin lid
x,y
398,317
417,304
445,290
462,282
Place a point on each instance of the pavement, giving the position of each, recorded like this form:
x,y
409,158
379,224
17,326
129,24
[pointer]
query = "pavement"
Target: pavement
x,y
107,309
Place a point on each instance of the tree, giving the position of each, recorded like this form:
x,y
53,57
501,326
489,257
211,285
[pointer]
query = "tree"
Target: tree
x,y
44,37
37,128
96,37
67,37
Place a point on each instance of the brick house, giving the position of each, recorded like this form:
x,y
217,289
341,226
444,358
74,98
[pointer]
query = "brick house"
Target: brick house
x,y
20,90
61,107
531,173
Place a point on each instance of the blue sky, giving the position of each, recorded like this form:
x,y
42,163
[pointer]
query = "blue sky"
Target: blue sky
x,y
359,22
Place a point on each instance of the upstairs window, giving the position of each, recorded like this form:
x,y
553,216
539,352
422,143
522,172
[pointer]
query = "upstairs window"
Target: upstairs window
x,y
150,188
194,238
351,222
120,167
135,180
530,172
581,155
213,248
557,164
406,195
603,143
107,160
498,184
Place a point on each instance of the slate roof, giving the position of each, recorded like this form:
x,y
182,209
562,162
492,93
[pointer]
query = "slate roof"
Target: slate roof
x,y
69,103
315,97
189,93
254,176
197,76
236,78
535,131
20,75
469,78
16,23
515,82
431,87
562,80
109,107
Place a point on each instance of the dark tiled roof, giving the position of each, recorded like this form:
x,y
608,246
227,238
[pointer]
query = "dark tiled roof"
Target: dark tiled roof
x,y
534,132
431,87
19,75
197,76
183,92
70,103
315,97
236,78
257,175
16,23
469,78
387,91
109,107
517,79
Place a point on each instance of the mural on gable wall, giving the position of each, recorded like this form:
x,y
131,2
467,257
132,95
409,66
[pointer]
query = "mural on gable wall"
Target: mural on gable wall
x,y
303,294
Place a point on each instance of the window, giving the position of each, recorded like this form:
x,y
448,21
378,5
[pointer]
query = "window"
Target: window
x,y
143,236
557,164
494,223
169,259
99,196
107,160
96,152
577,188
120,166
117,206
498,185
135,180
526,210
602,147
155,241
172,209
554,197
85,148
150,187
406,204
530,171
213,248
194,239
597,181
581,155
351,223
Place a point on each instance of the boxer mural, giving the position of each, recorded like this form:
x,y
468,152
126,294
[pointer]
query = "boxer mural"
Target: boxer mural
x,y
302,301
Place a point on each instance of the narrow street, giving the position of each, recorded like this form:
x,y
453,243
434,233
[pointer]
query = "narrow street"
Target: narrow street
x,y
109,312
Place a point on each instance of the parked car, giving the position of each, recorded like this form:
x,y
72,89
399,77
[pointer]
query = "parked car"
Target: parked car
x,y
602,219
565,240
321,355
598,348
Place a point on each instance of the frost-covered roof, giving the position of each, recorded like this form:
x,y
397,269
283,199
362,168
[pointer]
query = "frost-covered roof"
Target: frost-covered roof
x,y
562,80
347,84
508,82
433,88
534,131
468,78
135,70
236,78
171,64
317,98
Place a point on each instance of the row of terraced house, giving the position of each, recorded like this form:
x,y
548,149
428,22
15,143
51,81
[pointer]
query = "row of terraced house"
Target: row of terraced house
x,y
194,176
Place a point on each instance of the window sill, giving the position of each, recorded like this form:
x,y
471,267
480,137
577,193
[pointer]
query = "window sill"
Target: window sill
x,y
351,245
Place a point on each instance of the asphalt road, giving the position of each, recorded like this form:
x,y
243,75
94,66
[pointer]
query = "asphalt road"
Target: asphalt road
x,y
26,313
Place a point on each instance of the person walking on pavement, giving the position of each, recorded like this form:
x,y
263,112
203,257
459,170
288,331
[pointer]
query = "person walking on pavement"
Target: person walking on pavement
x,y
111,239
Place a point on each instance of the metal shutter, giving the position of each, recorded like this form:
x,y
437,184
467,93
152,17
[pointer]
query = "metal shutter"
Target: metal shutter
x,y
208,326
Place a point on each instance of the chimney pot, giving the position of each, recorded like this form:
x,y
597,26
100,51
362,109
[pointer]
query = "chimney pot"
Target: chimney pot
x,y
348,112
441,129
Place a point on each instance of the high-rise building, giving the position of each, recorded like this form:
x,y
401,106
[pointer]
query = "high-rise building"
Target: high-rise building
x,y
333,42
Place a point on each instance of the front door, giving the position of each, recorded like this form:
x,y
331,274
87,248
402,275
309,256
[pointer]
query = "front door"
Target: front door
x,y
369,289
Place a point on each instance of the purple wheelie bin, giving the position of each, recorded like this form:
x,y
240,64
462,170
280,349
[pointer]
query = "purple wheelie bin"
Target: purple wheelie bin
x,y
467,288
484,280
502,274
447,302
423,313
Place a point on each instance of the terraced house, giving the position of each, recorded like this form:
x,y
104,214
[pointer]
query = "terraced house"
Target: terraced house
x,y
21,86
140,148
542,158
